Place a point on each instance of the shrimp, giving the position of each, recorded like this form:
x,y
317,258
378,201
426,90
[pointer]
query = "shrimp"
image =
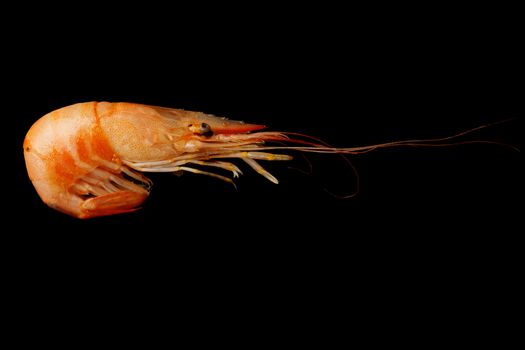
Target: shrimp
x,y
88,159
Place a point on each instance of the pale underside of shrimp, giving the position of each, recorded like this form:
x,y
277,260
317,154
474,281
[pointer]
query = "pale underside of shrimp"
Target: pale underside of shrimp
x,y
88,159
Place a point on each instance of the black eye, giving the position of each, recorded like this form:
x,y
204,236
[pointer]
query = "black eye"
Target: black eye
x,y
205,130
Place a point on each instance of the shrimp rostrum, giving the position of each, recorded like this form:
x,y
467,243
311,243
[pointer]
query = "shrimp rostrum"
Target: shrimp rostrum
x,y
88,159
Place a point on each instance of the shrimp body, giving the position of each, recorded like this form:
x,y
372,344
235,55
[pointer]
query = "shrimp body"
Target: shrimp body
x,y
86,159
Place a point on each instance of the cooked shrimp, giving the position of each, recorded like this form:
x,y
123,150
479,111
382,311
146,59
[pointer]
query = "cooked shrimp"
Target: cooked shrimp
x,y
88,159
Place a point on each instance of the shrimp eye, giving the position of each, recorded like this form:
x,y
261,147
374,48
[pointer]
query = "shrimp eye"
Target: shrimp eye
x,y
205,130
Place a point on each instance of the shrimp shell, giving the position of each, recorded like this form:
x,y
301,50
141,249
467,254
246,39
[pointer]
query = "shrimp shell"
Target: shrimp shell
x,y
88,159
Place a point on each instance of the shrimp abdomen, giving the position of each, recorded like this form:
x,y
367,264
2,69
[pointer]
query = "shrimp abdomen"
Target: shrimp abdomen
x,y
73,167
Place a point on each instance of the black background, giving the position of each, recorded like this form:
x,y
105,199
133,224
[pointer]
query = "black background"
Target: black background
x,y
349,91
435,221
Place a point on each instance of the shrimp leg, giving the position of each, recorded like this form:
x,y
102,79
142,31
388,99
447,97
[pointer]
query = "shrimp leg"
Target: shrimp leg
x,y
197,171
249,158
223,165
169,167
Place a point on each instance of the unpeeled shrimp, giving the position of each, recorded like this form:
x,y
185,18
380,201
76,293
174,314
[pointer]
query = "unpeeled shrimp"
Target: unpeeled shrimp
x,y
88,159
